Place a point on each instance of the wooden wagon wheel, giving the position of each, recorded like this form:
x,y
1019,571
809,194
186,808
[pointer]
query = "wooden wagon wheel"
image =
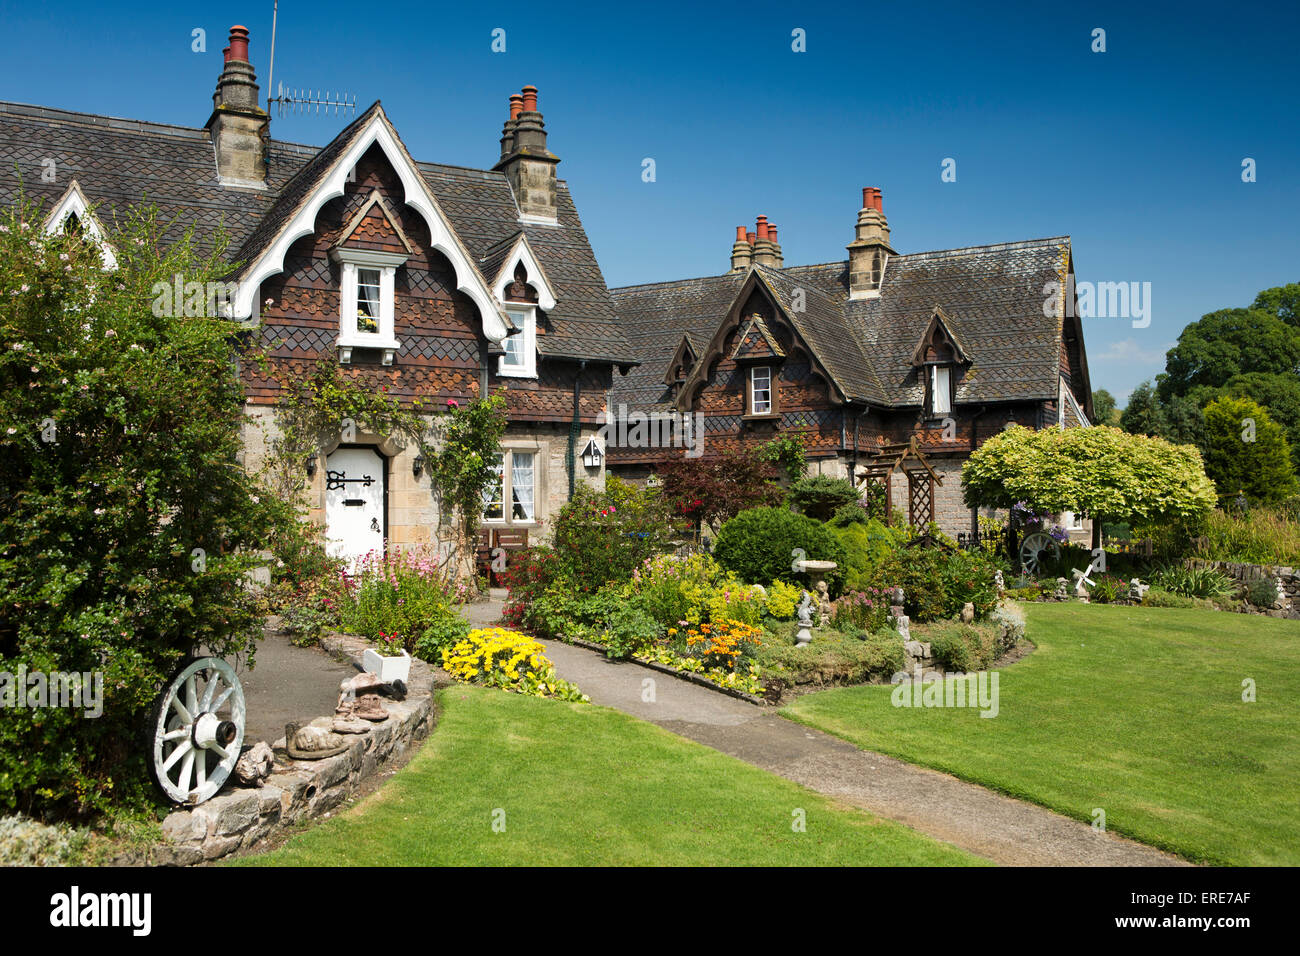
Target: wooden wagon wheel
x,y
1032,550
197,730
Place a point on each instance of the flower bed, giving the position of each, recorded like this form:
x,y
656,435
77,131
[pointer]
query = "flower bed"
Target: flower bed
x,y
508,660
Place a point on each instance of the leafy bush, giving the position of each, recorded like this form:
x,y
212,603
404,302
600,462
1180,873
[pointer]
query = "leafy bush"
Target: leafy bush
x,y
676,589
629,628
443,631
1262,592
936,582
866,545
760,544
1107,589
849,514
714,489
732,599
820,496
508,660
603,536
399,595
529,575
1156,597
1192,582
25,842
1030,592
867,610
964,647
782,600
126,530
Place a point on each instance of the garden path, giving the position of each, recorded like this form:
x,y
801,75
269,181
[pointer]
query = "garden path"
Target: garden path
x,y
288,684
997,827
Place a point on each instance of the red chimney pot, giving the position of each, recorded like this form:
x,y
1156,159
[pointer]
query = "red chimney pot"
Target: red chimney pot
x,y
750,237
761,226
516,105
239,43
530,99
866,198
771,232
740,234
880,202
226,53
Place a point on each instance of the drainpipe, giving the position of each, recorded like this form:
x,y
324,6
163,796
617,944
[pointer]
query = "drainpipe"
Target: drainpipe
x,y
571,460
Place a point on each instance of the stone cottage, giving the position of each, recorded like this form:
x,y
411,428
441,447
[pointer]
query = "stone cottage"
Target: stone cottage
x,y
422,279
891,368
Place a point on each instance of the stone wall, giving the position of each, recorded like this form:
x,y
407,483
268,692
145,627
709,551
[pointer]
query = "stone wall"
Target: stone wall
x,y
240,818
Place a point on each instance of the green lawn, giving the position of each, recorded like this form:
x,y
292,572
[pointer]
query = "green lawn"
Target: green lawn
x,y
1137,711
586,785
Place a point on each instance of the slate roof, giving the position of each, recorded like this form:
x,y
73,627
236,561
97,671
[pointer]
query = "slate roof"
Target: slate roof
x,y
991,295
119,163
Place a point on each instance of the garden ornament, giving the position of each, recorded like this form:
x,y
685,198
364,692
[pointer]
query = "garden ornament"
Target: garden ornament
x,y
312,742
901,623
823,604
1082,582
254,765
804,636
197,730
967,612
368,707
1137,590
999,585
1062,590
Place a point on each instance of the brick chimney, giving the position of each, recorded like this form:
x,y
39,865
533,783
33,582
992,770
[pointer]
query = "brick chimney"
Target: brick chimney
x,y
742,253
239,127
764,250
526,161
869,252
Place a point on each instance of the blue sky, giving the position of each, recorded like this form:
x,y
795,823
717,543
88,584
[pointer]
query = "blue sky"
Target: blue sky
x,y
1135,153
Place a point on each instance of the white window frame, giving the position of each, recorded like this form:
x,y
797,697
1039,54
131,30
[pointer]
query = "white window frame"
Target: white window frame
x,y
507,498
387,264
525,316
934,371
753,390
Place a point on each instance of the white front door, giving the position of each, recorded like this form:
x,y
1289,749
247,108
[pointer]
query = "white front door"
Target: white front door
x,y
354,503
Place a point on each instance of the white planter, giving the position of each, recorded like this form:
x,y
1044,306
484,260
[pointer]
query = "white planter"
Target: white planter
x,y
389,669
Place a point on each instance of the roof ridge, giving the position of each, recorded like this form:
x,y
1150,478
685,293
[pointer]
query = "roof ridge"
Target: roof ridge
x,y
650,285
989,247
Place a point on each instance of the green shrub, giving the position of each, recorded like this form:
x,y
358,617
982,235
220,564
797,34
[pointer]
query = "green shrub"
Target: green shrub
x,y
782,600
602,537
936,582
832,657
1262,592
963,647
761,544
849,514
629,628
25,842
1030,592
1260,536
1107,589
1156,597
866,545
398,595
676,589
126,529
820,496
444,631
1193,582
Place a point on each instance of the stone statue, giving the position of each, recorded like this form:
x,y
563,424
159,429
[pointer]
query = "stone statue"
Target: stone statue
x,y
1137,590
1062,590
999,585
901,623
967,612
805,621
823,605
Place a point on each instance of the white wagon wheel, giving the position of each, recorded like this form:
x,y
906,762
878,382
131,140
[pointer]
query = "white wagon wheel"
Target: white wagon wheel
x,y
197,730
1032,550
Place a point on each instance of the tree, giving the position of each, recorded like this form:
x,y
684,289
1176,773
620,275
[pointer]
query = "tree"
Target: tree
x,y
1229,342
1104,408
1280,396
127,527
1144,414
712,490
1282,301
1247,452
1101,471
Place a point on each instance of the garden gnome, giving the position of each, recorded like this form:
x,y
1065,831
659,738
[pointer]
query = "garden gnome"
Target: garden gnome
x,y
805,621
823,605
1062,590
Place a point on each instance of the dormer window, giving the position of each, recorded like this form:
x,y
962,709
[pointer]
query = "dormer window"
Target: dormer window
x,y
940,390
520,360
760,390
366,282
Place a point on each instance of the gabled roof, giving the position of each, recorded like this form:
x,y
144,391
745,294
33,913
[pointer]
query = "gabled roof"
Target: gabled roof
x,y
119,163
940,326
684,358
72,204
989,299
499,266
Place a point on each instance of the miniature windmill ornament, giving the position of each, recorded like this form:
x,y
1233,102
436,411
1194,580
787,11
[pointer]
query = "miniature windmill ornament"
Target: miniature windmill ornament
x,y
1083,581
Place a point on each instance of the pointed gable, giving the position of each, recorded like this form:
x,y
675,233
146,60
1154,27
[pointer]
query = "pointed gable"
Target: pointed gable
x,y
756,343
375,226
938,343
682,363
